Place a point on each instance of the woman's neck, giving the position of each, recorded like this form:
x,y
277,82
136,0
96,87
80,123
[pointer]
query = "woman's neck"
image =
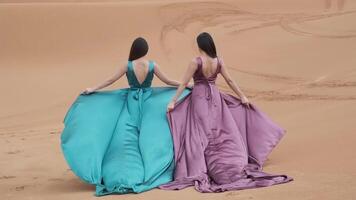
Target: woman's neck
x,y
140,59
206,56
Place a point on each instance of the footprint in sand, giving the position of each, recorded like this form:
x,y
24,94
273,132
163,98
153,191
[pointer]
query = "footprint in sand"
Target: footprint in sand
x,y
14,152
55,179
7,177
20,188
235,194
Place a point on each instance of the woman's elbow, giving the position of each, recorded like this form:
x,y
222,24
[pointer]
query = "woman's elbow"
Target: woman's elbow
x,y
184,84
180,84
110,81
230,81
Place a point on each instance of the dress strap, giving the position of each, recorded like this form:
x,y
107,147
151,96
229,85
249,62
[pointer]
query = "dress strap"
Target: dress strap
x,y
151,66
218,70
200,63
129,65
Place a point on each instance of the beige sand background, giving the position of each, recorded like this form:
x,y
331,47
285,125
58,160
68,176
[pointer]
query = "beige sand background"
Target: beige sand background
x,y
294,58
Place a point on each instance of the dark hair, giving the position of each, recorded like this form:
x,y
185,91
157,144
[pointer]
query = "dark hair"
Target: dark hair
x,y
206,44
139,48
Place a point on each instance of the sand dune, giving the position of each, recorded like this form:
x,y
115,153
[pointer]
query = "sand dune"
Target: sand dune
x,y
295,59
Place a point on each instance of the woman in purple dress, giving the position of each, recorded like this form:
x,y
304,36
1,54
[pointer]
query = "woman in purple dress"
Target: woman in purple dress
x,y
220,141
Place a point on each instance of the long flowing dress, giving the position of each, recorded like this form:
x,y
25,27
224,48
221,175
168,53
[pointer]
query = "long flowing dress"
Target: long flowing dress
x,y
219,143
120,140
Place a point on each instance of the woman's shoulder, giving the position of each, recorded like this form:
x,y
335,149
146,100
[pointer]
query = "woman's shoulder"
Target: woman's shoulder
x,y
196,60
220,61
194,63
152,64
125,64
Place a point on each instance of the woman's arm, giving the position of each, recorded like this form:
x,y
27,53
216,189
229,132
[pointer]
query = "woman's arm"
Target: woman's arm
x,y
232,84
185,80
162,76
122,70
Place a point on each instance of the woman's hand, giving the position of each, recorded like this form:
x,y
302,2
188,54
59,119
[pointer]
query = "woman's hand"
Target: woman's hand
x,y
190,85
88,91
245,101
170,106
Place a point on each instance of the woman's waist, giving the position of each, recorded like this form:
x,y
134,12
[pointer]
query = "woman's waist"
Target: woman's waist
x,y
207,89
140,93
140,88
204,83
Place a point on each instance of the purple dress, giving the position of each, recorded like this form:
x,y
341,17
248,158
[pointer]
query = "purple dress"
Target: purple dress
x,y
219,143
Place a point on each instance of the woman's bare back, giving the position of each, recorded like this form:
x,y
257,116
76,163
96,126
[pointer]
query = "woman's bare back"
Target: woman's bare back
x,y
209,66
140,68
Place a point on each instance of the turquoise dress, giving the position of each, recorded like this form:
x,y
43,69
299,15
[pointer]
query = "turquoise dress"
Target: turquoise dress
x,y
120,140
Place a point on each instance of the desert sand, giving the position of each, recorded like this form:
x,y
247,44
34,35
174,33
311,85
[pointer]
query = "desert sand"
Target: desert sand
x,y
295,59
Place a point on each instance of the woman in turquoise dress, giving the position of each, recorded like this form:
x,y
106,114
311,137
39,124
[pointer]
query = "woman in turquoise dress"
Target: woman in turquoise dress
x,y
120,140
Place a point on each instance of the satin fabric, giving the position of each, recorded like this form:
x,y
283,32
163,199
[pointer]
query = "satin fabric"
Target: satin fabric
x,y
120,140
219,143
